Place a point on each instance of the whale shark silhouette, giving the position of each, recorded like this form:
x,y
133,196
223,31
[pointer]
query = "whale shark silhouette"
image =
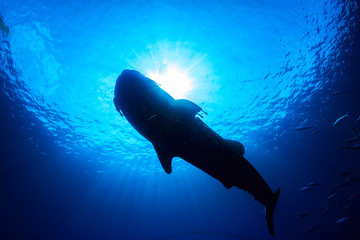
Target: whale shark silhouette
x,y
175,130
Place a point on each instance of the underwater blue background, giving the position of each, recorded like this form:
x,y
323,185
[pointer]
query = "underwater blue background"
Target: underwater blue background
x,y
72,168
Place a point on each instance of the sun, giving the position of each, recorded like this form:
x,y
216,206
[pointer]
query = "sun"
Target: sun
x,y
176,66
173,80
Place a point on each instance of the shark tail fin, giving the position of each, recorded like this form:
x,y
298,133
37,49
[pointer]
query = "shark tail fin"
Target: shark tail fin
x,y
270,211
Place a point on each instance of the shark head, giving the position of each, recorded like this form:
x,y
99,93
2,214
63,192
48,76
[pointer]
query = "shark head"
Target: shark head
x,y
134,90
129,85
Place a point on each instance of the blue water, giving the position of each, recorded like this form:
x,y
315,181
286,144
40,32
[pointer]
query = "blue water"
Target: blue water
x,y
72,168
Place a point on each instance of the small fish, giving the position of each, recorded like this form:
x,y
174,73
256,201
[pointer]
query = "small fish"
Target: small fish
x,y
153,116
338,93
315,132
351,140
307,188
302,128
351,179
358,119
351,147
340,120
342,184
314,184
325,212
355,196
343,222
310,229
351,208
331,196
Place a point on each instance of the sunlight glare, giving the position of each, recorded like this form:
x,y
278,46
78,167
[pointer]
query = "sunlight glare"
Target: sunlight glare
x,y
173,80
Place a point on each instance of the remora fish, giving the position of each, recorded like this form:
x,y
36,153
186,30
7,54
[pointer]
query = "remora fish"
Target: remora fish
x,y
175,131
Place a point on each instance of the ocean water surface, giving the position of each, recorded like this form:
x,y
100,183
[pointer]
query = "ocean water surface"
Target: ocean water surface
x,y
274,75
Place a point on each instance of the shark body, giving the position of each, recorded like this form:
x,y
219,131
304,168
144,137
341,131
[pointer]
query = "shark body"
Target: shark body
x,y
175,130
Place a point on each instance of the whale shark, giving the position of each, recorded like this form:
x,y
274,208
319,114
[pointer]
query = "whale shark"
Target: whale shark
x,y
175,129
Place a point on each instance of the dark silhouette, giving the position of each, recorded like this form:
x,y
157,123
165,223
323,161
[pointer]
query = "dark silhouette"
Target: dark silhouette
x,y
174,129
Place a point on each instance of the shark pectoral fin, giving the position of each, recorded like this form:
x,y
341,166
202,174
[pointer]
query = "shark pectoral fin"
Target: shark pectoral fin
x,y
236,146
226,184
165,158
188,107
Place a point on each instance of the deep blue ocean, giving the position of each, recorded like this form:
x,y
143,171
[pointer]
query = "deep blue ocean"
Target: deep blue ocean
x,y
274,75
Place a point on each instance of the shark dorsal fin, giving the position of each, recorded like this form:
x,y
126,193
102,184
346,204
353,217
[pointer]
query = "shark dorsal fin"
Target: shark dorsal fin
x,y
165,158
236,146
188,107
